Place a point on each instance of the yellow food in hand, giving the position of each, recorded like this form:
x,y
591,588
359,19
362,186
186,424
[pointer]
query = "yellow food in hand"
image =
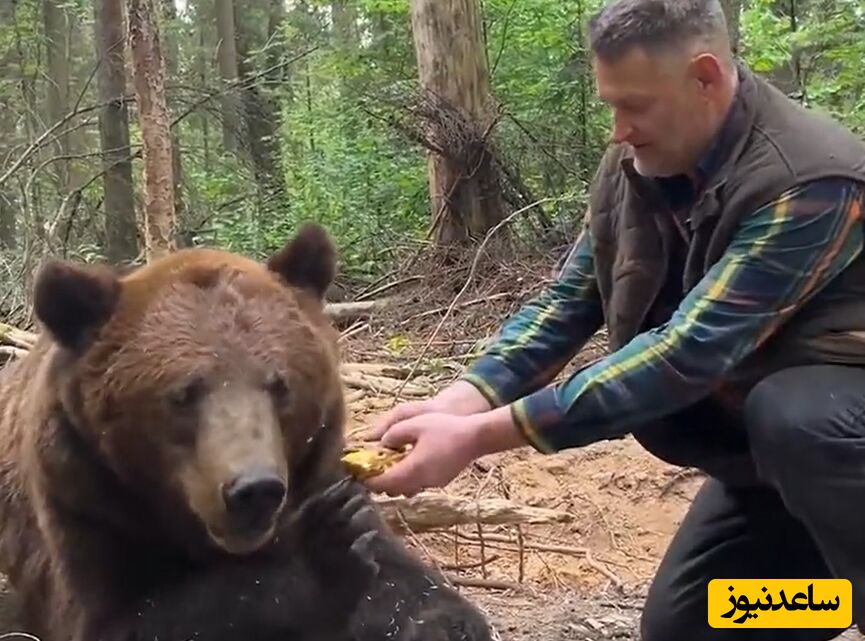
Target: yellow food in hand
x,y
364,462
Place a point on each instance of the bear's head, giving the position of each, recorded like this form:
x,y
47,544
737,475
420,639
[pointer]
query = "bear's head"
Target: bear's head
x,y
204,382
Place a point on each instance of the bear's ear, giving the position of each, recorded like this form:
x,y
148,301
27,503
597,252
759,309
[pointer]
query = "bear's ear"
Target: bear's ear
x,y
307,261
74,301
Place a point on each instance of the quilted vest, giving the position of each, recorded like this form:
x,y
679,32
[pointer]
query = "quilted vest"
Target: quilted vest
x,y
771,145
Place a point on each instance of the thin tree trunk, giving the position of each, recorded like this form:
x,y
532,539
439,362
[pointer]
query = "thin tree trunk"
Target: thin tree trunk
x,y
732,11
275,19
232,117
204,14
172,59
262,127
148,73
8,140
452,66
54,20
120,225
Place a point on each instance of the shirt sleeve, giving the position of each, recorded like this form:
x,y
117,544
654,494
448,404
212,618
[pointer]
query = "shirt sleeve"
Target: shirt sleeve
x,y
781,256
536,343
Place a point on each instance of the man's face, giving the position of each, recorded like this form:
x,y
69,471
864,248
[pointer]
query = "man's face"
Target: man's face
x,y
661,106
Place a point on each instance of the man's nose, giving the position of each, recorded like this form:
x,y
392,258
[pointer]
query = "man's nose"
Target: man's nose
x,y
622,129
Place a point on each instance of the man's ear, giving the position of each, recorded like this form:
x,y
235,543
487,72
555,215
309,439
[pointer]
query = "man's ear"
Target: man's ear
x,y
307,261
74,301
708,71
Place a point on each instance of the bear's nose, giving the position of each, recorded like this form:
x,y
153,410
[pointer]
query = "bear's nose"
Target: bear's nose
x,y
254,497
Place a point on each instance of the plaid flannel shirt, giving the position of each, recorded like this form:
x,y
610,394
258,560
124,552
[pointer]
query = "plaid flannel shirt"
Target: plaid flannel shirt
x,y
781,256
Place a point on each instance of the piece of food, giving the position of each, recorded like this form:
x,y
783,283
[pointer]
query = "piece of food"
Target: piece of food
x,y
364,462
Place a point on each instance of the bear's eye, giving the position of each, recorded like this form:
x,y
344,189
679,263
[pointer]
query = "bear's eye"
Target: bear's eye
x,y
188,394
277,388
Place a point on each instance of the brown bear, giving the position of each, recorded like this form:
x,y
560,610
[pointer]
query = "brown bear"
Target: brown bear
x,y
169,464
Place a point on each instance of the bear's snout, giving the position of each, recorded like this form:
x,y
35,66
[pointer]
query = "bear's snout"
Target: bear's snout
x,y
253,498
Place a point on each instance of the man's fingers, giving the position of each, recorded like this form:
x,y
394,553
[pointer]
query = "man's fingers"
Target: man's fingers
x,y
400,479
406,475
399,413
403,433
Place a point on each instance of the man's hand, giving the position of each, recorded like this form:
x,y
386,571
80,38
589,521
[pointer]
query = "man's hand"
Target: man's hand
x,y
460,399
443,446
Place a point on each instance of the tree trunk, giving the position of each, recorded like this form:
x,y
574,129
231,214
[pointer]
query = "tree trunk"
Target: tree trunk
x,y
232,117
148,73
203,10
464,190
277,49
121,232
262,127
732,11
172,60
788,76
54,20
9,138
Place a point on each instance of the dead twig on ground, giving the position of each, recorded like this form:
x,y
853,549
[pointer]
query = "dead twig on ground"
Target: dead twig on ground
x,y
471,566
580,552
468,303
383,288
681,475
492,584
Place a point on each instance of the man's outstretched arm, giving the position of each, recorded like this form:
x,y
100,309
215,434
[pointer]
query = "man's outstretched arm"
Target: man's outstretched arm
x,y
535,344
781,257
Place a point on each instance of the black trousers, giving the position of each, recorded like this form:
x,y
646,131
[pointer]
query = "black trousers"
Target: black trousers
x,y
785,498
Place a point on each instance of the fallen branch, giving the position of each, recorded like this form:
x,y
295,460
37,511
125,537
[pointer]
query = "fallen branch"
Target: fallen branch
x,y
470,566
346,312
491,584
11,353
337,312
580,552
388,370
15,337
383,288
468,303
18,342
385,385
680,475
430,511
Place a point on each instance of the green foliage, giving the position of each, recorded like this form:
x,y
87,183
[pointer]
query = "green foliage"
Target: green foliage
x,y
338,159
815,53
367,181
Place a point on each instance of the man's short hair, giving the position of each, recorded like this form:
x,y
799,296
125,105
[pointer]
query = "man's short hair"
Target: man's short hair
x,y
657,25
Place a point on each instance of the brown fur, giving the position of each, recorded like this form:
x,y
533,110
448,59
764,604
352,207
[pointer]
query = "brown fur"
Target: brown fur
x,y
146,395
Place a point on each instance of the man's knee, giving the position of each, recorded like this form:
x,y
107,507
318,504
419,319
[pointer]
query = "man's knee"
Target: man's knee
x,y
792,414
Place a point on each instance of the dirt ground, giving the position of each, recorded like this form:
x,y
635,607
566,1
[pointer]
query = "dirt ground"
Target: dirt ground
x,y
577,581
581,579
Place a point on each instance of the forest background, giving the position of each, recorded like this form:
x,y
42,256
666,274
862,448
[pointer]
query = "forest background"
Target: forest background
x,y
402,126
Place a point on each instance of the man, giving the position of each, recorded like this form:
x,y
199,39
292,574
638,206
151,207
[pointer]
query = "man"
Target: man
x,y
723,251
